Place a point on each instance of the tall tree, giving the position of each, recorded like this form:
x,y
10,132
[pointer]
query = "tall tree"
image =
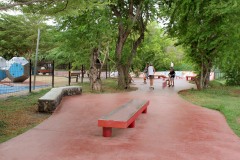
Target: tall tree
x,y
19,33
229,60
84,39
70,14
132,18
199,26
159,49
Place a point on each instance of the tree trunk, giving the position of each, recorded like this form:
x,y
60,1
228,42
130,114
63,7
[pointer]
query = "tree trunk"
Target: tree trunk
x,y
203,78
95,71
123,79
134,15
122,68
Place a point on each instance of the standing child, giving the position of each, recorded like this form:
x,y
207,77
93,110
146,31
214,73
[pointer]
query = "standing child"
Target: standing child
x,y
145,72
151,72
171,77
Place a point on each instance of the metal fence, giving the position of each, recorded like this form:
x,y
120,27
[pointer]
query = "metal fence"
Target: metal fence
x,y
218,74
32,79
41,76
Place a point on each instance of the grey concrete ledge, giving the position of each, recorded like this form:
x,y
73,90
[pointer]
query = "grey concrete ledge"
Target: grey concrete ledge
x,y
52,99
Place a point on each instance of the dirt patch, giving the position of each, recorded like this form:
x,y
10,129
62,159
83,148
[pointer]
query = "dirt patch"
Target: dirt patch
x,y
184,92
235,93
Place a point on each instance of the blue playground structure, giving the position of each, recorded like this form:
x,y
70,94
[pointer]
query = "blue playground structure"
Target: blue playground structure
x,y
16,69
3,75
3,65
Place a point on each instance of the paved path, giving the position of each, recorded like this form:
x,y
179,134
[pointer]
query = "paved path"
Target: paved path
x,y
173,129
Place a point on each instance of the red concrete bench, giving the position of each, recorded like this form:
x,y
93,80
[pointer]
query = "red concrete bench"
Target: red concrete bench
x,y
160,76
190,77
123,116
44,71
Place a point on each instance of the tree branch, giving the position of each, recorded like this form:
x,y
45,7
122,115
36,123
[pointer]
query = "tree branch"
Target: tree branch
x,y
63,7
115,11
134,19
118,15
131,9
8,6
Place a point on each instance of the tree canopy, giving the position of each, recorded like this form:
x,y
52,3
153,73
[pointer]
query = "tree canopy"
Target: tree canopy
x,y
201,26
78,35
123,30
159,49
19,34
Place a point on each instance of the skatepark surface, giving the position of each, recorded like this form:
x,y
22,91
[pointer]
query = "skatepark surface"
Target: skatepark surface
x,y
172,129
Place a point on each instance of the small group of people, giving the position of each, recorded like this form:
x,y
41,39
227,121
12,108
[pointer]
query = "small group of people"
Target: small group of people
x,y
149,72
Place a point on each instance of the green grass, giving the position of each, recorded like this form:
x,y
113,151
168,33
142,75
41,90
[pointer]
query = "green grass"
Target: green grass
x,y
108,85
221,98
19,114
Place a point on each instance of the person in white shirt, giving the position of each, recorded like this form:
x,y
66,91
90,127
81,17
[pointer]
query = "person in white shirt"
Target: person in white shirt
x,y
151,72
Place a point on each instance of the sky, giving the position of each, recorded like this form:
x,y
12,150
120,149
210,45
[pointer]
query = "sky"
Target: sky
x,y
15,12
11,12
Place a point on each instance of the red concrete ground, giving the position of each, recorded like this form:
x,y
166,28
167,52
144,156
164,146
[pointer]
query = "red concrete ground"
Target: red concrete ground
x,y
173,129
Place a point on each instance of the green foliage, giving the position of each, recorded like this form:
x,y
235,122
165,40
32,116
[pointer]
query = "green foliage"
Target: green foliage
x,y
3,124
16,36
202,26
19,35
159,49
131,18
17,116
230,66
83,25
71,42
79,34
229,60
216,84
64,7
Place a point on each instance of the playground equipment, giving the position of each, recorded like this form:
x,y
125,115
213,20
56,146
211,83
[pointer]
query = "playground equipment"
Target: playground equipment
x,y
17,69
3,65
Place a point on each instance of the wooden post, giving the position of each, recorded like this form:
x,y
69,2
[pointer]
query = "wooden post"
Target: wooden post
x,y
69,73
30,75
52,74
82,73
